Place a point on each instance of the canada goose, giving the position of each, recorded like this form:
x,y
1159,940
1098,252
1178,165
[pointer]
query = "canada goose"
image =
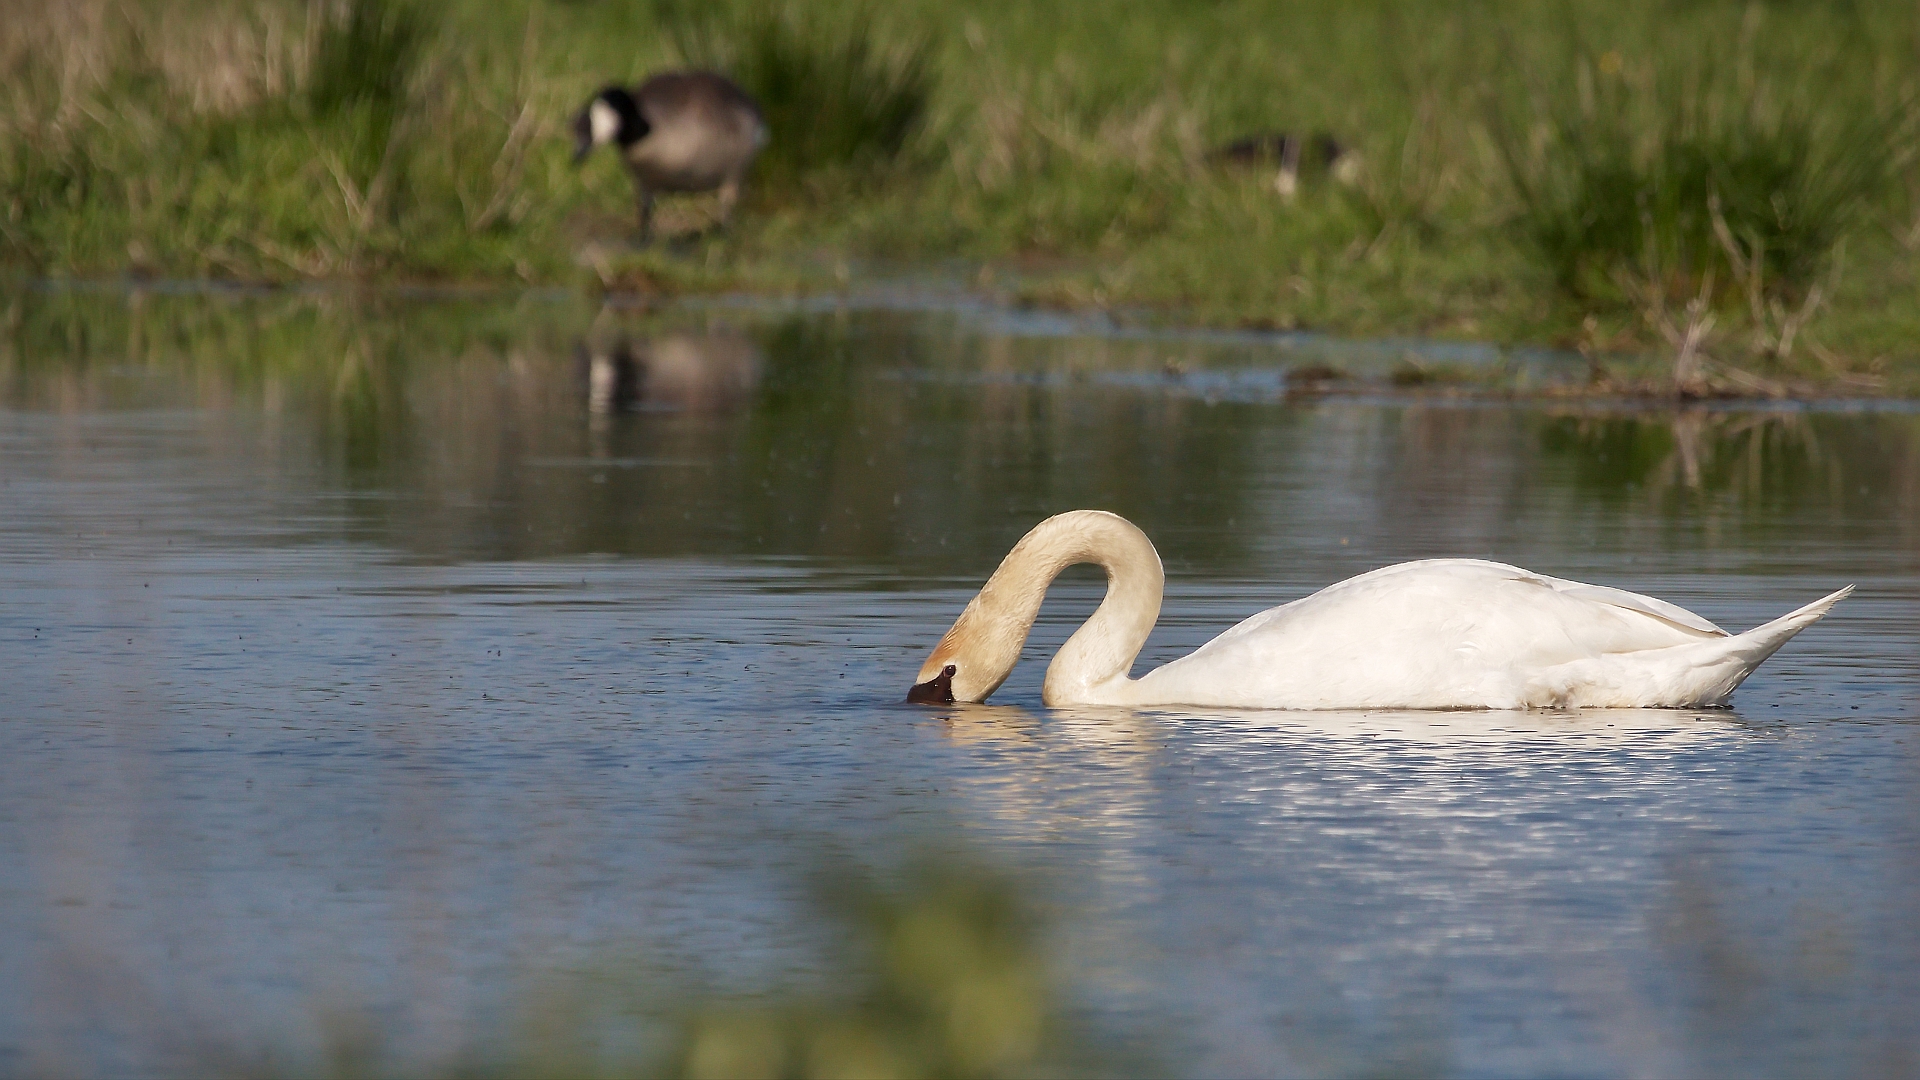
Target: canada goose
x,y
680,131
1340,161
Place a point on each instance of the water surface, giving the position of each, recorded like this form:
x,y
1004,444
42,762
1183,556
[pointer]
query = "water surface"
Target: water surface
x,y
393,656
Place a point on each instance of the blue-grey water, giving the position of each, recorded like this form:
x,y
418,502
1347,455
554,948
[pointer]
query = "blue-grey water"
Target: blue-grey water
x,y
382,662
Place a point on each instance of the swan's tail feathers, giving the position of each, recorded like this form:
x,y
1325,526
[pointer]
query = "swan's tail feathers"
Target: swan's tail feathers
x,y
1734,658
1779,630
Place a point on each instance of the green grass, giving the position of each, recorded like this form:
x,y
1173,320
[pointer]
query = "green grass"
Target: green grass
x,y
839,99
1675,174
1608,177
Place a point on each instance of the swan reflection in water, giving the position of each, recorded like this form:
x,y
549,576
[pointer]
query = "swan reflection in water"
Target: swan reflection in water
x,y
1329,810
1101,767
1458,730
679,372
1126,738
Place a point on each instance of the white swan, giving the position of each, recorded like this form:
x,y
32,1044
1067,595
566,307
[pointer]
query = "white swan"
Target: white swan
x,y
1436,634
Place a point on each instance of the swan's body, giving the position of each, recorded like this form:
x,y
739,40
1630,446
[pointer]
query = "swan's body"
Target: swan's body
x,y
1437,634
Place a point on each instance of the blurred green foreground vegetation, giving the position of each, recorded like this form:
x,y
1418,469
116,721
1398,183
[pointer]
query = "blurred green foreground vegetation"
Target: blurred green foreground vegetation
x,y
940,973
1729,186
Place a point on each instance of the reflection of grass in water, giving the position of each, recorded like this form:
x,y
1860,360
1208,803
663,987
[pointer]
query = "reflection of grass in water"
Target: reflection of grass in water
x,y
439,396
1754,455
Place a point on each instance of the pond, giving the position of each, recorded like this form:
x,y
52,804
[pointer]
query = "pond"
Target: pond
x,y
388,656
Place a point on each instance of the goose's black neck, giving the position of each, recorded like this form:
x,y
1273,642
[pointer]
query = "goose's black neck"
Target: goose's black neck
x,y
633,126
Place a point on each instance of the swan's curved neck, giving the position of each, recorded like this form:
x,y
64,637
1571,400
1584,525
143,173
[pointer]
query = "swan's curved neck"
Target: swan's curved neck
x,y
1092,666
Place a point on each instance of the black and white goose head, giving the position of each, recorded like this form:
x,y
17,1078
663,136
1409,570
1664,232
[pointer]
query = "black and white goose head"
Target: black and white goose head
x,y
612,117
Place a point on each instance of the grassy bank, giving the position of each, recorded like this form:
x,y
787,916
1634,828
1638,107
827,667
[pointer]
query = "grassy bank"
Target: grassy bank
x,y
1728,187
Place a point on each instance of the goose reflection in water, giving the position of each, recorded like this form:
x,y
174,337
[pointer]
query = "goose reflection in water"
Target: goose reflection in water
x,y
680,372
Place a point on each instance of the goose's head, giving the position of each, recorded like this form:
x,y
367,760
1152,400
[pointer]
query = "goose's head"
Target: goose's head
x,y
612,116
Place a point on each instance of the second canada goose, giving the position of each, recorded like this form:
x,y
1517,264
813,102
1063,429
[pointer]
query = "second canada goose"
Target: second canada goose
x,y
1287,150
680,131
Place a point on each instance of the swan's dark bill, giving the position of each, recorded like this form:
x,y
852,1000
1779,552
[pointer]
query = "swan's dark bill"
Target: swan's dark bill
x,y
935,691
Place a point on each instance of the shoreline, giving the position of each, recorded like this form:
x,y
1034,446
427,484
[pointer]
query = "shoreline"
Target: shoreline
x,y
1399,366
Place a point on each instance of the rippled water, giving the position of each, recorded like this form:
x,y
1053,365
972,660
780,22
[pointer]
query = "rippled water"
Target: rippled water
x,y
395,655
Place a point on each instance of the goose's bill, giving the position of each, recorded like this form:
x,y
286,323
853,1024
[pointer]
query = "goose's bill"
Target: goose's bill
x,y
935,691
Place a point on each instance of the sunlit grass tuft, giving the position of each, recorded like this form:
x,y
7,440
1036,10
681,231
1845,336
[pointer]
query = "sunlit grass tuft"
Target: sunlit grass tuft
x,y
835,94
366,53
1672,175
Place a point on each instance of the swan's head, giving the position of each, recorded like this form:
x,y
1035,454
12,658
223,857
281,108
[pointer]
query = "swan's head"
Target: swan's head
x,y
978,653
935,691
967,665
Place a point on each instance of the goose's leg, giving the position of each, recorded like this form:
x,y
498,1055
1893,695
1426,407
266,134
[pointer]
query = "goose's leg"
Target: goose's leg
x,y
729,195
643,202
1287,181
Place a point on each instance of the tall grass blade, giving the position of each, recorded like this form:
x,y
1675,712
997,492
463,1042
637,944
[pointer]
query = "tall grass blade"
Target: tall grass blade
x,y
365,54
1625,174
834,96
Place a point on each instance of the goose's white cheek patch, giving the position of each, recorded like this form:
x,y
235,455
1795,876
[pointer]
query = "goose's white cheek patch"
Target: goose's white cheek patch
x,y
604,121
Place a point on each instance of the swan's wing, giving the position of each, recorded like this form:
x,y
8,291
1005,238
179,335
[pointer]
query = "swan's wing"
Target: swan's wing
x,y
1621,598
1443,633
1474,598
1464,572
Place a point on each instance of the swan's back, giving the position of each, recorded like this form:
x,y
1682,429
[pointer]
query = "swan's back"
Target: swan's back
x,y
1441,633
